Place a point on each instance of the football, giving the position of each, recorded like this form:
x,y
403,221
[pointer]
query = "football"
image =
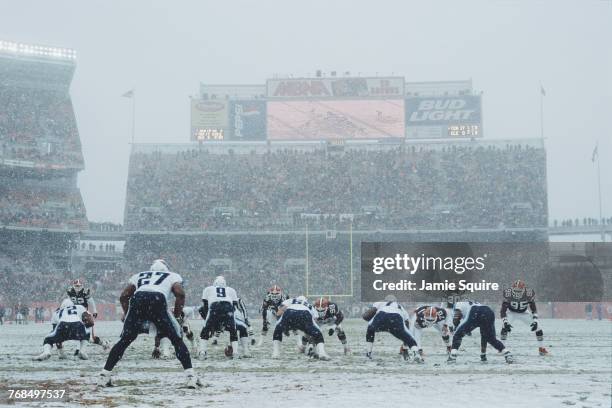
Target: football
x,y
88,319
369,314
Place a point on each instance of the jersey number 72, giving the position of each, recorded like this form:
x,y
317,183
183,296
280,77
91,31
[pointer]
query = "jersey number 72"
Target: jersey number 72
x,y
144,278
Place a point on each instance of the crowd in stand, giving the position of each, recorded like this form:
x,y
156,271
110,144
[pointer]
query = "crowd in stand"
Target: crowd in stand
x,y
473,186
29,273
39,126
38,139
584,222
41,207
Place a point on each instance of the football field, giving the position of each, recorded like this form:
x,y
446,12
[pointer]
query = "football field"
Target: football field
x,y
578,372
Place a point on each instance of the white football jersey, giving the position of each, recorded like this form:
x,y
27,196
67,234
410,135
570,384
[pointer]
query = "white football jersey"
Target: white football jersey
x,y
161,282
68,314
391,307
214,294
300,305
465,308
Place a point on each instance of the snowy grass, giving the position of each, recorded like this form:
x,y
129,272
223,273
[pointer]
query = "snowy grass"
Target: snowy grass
x,y
577,373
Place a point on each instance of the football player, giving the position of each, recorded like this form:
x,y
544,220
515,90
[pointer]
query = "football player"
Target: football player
x,y
329,314
70,322
186,328
391,317
467,316
243,325
272,301
145,299
430,316
519,304
298,314
81,296
218,304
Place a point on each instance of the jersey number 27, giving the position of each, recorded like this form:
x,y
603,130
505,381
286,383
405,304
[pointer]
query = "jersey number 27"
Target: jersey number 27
x,y
144,278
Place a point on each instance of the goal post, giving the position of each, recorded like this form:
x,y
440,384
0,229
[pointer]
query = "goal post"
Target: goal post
x,y
348,291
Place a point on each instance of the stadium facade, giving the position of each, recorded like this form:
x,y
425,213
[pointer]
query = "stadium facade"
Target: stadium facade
x,y
41,208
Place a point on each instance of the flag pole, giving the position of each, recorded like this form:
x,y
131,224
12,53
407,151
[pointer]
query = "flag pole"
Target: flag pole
x,y
541,111
133,116
601,223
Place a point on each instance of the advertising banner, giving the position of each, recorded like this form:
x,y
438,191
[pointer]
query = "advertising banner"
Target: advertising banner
x,y
208,119
248,120
335,87
444,116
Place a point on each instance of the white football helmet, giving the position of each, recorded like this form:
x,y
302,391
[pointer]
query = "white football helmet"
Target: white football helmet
x,y
159,265
302,298
66,303
219,281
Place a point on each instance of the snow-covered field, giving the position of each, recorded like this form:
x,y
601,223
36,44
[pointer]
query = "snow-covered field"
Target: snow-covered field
x,y
577,373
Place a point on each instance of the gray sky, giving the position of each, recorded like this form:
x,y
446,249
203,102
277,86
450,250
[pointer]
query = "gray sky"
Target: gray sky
x,y
164,49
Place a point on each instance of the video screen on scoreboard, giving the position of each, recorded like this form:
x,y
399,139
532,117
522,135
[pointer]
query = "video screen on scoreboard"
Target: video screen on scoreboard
x,y
335,119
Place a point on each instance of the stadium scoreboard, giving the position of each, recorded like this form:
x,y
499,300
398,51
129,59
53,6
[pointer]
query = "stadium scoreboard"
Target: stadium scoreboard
x,y
294,109
208,134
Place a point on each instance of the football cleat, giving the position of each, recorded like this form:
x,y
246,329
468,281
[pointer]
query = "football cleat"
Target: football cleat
x,y
321,352
105,379
83,355
415,355
45,355
404,353
193,381
452,357
276,349
508,357
483,358
156,354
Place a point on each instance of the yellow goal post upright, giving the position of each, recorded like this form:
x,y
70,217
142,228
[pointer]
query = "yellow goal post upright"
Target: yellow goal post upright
x,y
307,269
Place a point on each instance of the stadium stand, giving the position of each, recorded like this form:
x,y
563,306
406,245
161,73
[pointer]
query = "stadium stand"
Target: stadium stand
x,y
40,149
41,208
436,186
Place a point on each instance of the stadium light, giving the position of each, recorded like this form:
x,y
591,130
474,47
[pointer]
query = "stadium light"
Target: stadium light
x,y
37,50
